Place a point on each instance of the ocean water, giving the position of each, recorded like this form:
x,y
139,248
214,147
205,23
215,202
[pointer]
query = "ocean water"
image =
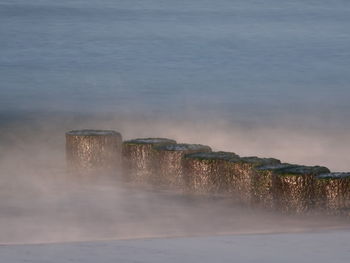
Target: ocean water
x,y
265,77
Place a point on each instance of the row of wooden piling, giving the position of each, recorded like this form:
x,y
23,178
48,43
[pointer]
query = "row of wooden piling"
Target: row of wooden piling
x,y
196,169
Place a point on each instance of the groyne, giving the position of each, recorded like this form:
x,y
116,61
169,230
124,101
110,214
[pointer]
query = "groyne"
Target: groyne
x,y
196,169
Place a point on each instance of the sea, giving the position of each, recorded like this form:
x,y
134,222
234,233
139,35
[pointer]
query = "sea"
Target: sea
x,y
268,78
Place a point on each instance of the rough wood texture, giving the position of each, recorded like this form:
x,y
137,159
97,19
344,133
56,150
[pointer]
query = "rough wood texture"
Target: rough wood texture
x,y
91,150
333,193
208,172
263,194
170,163
139,158
243,177
223,173
294,188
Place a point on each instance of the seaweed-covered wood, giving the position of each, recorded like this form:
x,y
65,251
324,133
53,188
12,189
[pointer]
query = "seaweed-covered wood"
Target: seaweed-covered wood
x,y
139,160
170,162
208,172
91,150
333,193
294,188
242,176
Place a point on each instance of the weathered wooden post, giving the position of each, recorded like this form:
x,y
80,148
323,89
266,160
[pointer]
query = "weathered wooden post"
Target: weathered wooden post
x,y
139,158
262,185
170,163
208,172
294,188
224,173
242,177
333,193
93,150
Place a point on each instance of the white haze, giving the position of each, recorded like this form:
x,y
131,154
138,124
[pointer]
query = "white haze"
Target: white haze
x,y
41,203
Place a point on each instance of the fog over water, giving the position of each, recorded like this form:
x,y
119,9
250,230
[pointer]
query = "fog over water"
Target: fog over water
x,y
41,203
268,78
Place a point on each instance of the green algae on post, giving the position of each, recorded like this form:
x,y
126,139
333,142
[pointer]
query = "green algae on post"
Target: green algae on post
x,y
170,162
207,172
90,150
294,187
333,193
139,160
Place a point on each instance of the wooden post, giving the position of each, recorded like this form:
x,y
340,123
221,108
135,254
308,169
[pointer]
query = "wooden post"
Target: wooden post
x,y
333,193
93,150
139,159
242,177
262,185
294,188
208,172
170,163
